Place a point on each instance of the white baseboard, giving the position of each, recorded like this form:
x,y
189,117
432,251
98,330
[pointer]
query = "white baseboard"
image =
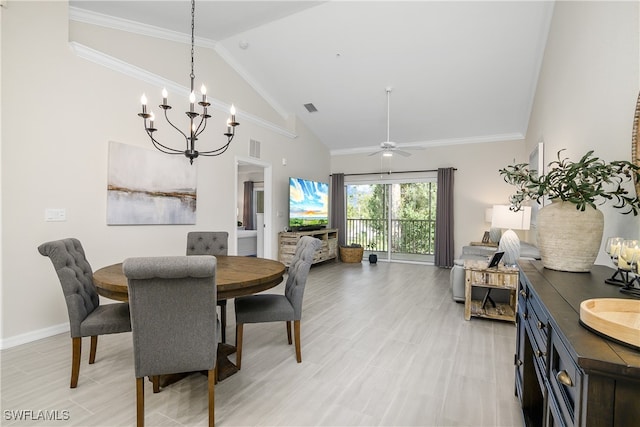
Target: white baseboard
x,y
33,336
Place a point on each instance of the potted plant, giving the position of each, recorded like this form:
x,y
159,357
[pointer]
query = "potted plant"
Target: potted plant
x,y
569,230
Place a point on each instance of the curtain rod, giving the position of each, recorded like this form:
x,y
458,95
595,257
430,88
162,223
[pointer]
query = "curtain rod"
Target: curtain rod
x,y
389,173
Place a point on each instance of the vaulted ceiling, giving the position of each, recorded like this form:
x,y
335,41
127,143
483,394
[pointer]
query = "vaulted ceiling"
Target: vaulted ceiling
x,y
460,72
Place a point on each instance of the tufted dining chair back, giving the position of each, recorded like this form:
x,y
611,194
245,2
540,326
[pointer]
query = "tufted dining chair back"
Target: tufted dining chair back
x,y
173,319
87,318
207,243
262,308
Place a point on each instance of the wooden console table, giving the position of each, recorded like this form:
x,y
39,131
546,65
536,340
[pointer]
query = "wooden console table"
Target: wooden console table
x,y
287,242
566,375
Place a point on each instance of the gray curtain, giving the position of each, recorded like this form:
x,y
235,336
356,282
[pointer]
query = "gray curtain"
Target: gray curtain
x,y
247,214
337,216
444,219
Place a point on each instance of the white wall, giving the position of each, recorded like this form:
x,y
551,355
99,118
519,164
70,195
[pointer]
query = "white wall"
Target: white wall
x,y
60,111
587,91
477,184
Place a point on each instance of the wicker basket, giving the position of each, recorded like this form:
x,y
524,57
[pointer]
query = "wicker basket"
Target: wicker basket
x,y
348,254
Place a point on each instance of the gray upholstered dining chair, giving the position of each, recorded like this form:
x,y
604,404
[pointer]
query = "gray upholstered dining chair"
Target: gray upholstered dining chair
x,y
174,320
87,318
211,243
275,308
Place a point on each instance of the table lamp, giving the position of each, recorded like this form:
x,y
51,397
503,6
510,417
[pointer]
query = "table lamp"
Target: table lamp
x,y
494,232
504,217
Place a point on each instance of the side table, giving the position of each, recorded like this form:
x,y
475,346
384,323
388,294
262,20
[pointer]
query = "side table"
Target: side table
x,y
476,274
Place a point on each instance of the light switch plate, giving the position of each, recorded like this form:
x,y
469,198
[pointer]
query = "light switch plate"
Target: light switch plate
x,y
55,214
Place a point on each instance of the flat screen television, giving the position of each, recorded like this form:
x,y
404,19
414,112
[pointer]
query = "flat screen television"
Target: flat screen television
x,y
308,204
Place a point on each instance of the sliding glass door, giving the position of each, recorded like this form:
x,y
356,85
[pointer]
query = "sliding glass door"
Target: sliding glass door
x,y
394,220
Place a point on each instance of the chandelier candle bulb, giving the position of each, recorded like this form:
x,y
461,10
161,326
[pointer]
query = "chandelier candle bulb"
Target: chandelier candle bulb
x,y
228,125
233,113
151,118
143,101
165,95
203,89
192,100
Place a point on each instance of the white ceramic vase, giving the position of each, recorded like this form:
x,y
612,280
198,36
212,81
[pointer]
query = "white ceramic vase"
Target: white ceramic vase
x,y
569,239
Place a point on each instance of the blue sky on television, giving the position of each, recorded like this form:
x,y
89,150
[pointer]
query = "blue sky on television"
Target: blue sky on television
x,y
308,198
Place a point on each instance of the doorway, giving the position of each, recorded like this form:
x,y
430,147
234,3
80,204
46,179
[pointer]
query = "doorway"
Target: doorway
x,y
260,173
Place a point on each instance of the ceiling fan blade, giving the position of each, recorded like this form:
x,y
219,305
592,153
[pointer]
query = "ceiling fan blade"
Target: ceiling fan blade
x,y
402,153
375,152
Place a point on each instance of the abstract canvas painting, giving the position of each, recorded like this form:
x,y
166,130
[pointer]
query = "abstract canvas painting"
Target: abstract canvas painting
x,y
149,187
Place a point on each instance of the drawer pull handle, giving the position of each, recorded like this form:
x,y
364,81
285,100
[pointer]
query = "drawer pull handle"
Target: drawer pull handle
x,y
564,378
518,362
525,315
523,293
540,325
539,353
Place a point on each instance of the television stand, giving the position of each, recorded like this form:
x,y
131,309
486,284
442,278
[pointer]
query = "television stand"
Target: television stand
x,y
287,242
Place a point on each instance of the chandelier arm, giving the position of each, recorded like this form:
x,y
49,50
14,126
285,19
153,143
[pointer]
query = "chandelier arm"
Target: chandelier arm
x,y
203,121
166,116
164,149
219,150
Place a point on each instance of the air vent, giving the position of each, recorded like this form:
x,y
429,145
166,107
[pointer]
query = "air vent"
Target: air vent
x,y
310,107
254,148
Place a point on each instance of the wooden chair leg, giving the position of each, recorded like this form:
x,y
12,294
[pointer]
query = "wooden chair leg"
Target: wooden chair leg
x,y
289,332
140,402
76,345
223,320
155,380
92,351
296,331
212,379
239,328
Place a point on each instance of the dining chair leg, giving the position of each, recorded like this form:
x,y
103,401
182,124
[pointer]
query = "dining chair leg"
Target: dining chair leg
x,y
239,328
155,380
140,402
92,350
76,345
223,320
289,332
212,391
296,331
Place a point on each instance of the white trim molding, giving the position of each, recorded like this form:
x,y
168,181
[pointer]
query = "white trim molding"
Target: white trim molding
x,y
94,18
138,73
34,335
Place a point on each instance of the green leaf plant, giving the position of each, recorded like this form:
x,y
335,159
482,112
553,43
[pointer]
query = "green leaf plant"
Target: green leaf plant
x,y
590,181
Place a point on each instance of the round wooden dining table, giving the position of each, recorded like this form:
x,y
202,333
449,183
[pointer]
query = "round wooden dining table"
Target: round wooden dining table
x,y
235,276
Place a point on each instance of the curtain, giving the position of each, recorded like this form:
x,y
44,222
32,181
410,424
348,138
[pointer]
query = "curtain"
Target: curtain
x,y
443,253
247,212
338,211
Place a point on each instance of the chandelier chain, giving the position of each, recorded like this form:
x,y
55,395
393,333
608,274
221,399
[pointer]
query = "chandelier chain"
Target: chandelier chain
x,y
193,25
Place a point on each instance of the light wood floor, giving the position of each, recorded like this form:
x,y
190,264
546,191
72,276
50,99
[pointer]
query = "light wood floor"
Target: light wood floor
x,y
381,345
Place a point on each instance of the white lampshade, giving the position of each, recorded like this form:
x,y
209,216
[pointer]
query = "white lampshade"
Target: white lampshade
x,y
503,217
488,214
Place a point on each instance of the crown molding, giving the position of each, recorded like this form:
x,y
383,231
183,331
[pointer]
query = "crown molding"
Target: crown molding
x,y
516,136
121,24
138,73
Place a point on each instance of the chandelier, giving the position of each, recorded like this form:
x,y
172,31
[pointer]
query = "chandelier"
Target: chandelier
x,y
196,127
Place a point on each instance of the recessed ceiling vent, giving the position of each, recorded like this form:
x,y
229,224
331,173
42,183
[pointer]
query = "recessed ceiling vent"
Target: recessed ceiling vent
x,y
310,107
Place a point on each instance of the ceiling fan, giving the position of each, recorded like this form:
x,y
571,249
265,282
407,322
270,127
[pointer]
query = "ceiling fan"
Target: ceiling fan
x,y
388,148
